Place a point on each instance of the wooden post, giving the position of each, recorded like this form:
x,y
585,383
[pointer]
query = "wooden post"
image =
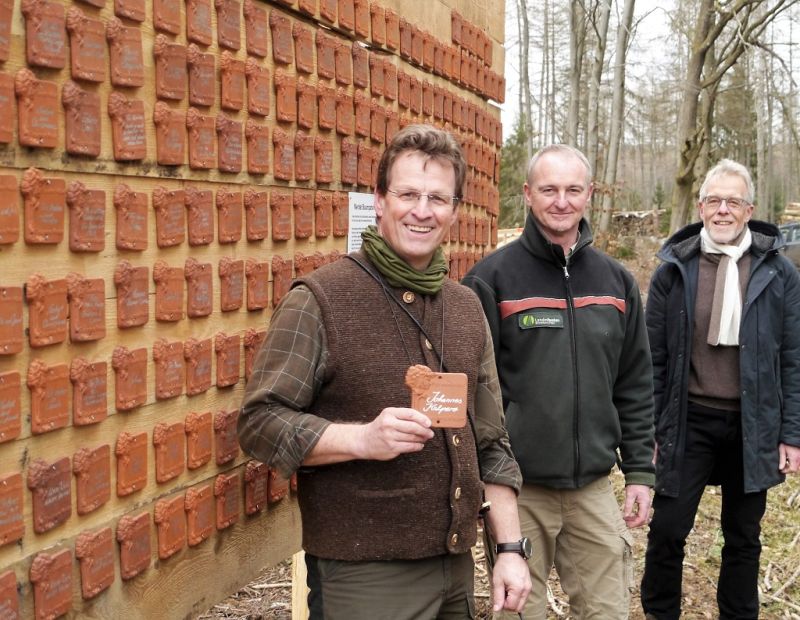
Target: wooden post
x,y
299,587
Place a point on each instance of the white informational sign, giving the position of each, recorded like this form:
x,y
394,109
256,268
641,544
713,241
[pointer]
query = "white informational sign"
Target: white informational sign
x,y
362,214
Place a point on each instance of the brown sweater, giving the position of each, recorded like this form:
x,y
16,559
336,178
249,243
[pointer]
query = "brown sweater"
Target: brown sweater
x,y
417,505
714,370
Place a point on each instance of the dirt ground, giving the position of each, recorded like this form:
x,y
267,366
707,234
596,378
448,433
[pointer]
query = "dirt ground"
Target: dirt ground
x,y
269,596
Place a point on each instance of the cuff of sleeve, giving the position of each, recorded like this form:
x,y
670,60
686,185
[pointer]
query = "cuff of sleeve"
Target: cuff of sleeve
x,y
640,477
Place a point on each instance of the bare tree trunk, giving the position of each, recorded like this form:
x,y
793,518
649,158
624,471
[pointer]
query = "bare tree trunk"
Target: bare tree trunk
x,y
527,109
551,89
761,138
577,43
617,113
601,33
543,76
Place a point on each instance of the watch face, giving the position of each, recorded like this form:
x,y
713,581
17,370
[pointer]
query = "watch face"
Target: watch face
x,y
526,547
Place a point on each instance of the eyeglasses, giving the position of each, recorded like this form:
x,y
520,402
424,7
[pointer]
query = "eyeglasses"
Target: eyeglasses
x,y
412,197
734,204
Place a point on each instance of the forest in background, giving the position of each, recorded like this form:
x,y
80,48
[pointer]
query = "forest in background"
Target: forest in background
x,y
655,94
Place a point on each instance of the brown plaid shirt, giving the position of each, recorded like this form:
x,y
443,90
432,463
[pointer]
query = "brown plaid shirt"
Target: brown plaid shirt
x,y
287,375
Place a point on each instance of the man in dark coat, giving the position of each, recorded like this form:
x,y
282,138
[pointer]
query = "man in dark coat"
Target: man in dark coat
x,y
723,318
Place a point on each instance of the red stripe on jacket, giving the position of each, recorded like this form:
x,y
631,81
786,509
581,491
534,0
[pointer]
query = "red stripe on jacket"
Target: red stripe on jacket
x,y
513,306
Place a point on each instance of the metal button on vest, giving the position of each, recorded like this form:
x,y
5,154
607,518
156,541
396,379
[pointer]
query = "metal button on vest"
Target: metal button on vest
x,y
456,440
454,540
428,345
408,297
457,493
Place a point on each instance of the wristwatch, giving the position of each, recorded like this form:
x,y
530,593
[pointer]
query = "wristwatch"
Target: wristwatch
x,y
522,546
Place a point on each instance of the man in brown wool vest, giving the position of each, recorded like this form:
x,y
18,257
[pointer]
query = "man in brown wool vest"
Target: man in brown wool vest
x,y
723,318
388,501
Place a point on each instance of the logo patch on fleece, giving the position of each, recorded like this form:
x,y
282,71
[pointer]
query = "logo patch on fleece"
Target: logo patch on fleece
x,y
541,318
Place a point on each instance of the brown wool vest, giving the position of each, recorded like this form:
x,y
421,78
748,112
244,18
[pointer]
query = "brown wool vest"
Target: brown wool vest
x,y
417,505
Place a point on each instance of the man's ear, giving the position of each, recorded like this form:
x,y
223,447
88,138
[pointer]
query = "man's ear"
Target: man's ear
x,y
591,189
377,201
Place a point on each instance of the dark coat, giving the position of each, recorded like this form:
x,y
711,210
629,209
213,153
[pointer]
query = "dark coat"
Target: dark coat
x,y
769,354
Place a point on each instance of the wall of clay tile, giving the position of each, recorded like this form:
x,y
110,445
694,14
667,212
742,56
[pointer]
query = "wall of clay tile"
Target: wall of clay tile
x,y
166,168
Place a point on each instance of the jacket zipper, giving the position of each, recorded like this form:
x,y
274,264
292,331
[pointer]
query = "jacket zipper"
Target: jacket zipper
x,y
573,347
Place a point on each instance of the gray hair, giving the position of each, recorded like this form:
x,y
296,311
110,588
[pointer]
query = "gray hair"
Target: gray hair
x,y
729,167
564,149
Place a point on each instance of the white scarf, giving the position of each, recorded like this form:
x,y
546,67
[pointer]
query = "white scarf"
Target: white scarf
x,y
731,305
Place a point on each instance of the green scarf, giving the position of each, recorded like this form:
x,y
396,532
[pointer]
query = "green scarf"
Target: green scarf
x,y
398,272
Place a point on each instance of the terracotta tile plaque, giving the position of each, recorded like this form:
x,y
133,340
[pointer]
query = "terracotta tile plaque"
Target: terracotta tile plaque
x,y
12,526
232,81
362,112
326,55
377,130
405,38
392,29
427,98
360,65
327,9
281,278
132,294
323,150
228,352
199,289
125,53
51,490
362,18
228,23
51,576
303,213
389,80
322,213
309,7
304,156
198,437
417,45
253,340
95,552
130,369
170,520
256,208
87,315
258,87
170,216
349,168
87,218
229,137
47,311
133,535
303,265
416,95
326,98
167,16
403,89
92,469
365,155
45,33
87,46
9,208
82,120
229,218
341,214
198,21
132,9
89,391
283,146
200,215
37,109
306,104
257,274
226,442
281,205
303,48
170,135
345,118
10,410
202,140
9,598
131,208
256,487
231,281
376,75
377,23
199,506
127,127
11,327
428,53
168,440
392,125
344,63
346,15
282,42
45,202
285,97
258,147
197,357
256,28
202,77
278,486
170,372
131,451
6,11
226,491
170,60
